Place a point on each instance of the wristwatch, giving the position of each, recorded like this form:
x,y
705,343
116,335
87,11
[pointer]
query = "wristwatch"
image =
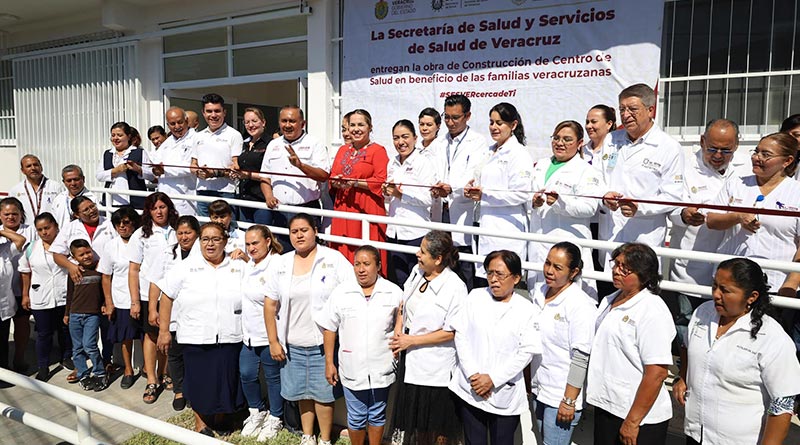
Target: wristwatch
x,y
567,401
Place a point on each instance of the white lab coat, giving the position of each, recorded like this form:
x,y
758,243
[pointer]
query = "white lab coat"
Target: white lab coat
x,y
649,168
505,178
569,216
498,339
467,152
8,302
36,202
48,280
732,380
365,328
415,204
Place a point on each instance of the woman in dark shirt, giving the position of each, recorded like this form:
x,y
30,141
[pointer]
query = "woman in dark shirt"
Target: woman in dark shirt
x,y
250,161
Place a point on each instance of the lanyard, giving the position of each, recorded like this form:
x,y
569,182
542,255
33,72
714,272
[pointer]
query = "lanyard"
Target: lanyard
x,y
463,136
38,193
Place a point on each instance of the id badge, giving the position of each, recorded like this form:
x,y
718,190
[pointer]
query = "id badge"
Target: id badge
x,y
612,160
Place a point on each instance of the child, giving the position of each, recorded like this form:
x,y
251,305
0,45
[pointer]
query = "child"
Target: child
x,y
85,303
221,212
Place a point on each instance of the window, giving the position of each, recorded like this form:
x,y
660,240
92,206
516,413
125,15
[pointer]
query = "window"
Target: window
x,y
8,136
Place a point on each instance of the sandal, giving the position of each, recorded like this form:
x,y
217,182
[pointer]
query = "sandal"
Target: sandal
x,y
73,376
166,382
151,393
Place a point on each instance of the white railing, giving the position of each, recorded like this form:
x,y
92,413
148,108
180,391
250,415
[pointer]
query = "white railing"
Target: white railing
x,y
664,252
84,407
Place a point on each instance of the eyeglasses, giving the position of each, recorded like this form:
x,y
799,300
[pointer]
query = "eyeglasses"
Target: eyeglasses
x,y
566,140
88,210
631,110
500,276
763,155
211,239
724,151
621,268
452,117
126,222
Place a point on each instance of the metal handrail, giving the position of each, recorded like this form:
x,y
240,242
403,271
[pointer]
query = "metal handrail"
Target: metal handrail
x,y
366,219
84,407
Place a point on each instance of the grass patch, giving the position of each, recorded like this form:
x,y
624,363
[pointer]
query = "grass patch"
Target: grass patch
x,y
186,420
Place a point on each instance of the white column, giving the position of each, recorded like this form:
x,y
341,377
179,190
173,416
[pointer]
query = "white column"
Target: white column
x,y
319,112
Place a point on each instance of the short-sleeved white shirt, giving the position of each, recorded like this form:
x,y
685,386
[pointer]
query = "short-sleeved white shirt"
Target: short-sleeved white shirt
x,y
48,280
565,324
498,339
731,380
415,204
778,237
29,232
178,180
161,264
288,189
330,269
114,262
8,302
211,300
433,310
76,230
39,201
254,330
628,337
61,209
365,328
217,150
142,250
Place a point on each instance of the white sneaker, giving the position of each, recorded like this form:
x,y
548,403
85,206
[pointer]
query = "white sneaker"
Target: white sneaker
x,y
308,440
272,425
324,442
252,426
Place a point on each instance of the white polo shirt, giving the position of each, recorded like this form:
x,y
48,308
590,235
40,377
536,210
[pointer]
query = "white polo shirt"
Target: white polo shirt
x,y
415,204
565,325
211,300
733,379
177,180
650,167
330,269
36,202
161,264
365,327
48,280
76,230
114,262
426,312
778,237
61,209
288,189
627,338
702,185
143,250
254,331
498,339
217,150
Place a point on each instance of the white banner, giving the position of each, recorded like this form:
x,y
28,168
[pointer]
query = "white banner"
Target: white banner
x,y
552,61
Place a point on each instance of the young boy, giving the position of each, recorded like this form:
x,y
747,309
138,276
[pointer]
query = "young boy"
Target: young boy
x,y
85,304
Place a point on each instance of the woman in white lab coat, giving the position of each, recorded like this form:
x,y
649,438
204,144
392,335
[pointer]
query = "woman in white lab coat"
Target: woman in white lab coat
x,y
496,338
740,375
557,211
503,185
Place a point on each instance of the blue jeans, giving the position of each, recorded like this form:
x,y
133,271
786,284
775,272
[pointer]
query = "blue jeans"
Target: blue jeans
x,y
84,330
249,359
553,432
202,207
255,216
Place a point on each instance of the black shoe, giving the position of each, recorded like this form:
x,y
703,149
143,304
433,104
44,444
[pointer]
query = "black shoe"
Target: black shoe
x,y
21,368
101,382
43,375
178,404
207,431
127,381
67,363
87,383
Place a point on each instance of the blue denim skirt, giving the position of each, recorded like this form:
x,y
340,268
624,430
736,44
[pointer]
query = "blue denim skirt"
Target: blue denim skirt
x,y
303,376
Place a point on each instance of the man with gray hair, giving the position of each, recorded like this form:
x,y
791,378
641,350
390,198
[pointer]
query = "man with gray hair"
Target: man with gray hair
x,y
75,183
706,172
640,161
36,191
177,151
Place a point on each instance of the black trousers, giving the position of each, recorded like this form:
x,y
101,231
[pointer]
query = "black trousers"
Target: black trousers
x,y
5,330
175,364
607,425
477,423
49,323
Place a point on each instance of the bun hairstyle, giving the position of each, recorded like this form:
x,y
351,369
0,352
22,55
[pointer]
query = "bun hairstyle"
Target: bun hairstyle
x,y
573,254
609,114
508,113
440,244
748,276
641,260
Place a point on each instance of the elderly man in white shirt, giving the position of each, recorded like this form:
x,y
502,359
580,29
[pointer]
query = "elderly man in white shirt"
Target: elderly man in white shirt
x,y
177,151
216,154
75,183
36,192
639,162
706,172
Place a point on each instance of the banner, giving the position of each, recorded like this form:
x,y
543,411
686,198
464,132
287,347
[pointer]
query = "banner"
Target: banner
x,y
551,60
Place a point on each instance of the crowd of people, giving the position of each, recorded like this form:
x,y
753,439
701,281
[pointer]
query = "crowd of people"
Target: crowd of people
x,y
213,305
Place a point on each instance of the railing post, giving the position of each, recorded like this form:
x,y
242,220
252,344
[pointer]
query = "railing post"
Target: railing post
x,y
84,423
365,230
